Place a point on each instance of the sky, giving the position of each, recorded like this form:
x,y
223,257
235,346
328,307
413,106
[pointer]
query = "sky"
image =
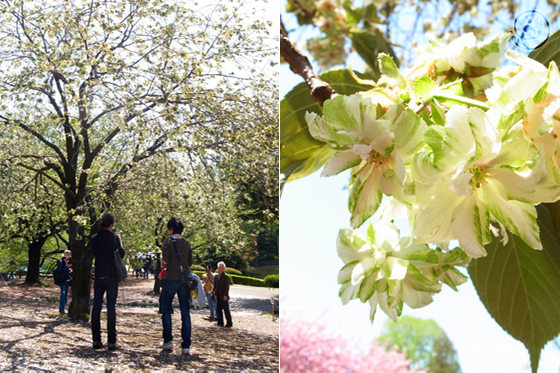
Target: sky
x,y
312,210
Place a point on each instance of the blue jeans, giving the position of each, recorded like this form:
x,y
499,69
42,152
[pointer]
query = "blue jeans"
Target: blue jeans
x,y
111,286
63,296
170,287
211,303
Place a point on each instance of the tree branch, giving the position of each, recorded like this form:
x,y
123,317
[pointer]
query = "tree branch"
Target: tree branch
x,y
42,172
41,138
300,65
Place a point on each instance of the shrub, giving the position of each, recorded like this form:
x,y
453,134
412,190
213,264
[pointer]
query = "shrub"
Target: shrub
x,y
272,281
250,281
196,267
233,271
198,273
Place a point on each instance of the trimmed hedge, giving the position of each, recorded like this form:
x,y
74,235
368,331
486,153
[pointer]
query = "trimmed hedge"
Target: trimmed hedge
x,y
233,271
249,281
243,280
272,281
196,267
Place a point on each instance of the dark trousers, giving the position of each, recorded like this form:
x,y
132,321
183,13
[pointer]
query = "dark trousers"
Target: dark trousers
x,y
111,286
221,305
170,288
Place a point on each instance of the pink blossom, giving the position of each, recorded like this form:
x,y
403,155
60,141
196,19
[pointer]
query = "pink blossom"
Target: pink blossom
x,y
307,347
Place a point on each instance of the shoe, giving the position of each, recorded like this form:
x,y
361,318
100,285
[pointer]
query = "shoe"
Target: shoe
x,y
166,346
186,351
212,318
97,345
219,324
229,325
112,346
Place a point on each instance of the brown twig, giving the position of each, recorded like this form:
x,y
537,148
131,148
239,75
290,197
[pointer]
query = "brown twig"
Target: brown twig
x,y
300,65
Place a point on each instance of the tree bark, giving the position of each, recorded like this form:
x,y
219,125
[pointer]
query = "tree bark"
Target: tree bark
x,y
157,282
34,260
81,276
299,64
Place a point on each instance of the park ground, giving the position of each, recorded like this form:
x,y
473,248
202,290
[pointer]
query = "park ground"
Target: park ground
x,y
34,337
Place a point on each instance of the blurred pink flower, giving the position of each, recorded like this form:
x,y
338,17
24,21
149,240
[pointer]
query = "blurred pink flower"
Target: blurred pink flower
x,y
306,347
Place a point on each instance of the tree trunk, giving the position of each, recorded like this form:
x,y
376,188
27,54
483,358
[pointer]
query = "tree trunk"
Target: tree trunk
x,y
34,260
157,282
81,275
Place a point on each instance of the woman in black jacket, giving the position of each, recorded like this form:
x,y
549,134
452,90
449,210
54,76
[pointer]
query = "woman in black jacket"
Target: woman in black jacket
x,y
104,245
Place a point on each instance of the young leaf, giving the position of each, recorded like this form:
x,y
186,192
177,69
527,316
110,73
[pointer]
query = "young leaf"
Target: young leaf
x,y
391,74
369,46
520,287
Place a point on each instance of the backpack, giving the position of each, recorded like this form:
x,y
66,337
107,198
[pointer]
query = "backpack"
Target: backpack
x,y
61,276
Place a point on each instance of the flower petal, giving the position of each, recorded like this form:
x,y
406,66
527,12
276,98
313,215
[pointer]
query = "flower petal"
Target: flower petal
x,y
433,222
486,136
345,273
363,269
341,161
518,217
348,292
470,224
365,195
382,302
351,247
409,131
367,288
394,268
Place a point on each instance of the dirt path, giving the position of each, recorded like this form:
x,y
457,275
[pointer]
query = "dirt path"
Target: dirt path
x,y
32,337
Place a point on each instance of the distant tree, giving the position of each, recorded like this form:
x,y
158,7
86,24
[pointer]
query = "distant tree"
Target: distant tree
x,y
425,343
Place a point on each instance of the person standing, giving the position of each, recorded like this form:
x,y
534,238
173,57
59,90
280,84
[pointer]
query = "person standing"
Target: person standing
x,y
64,269
12,275
208,288
221,292
104,245
175,247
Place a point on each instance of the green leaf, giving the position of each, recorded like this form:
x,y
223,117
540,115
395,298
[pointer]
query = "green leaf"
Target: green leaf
x,y
550,51
424,87
369,12
368,46
300,153
353,14
520,287
391,74
438,115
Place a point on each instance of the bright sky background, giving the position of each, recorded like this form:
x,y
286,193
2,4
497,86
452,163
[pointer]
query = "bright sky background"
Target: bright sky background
x,y
312,210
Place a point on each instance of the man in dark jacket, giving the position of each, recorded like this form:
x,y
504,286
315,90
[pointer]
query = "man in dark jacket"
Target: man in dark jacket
x,y
174,247
221,292
104,245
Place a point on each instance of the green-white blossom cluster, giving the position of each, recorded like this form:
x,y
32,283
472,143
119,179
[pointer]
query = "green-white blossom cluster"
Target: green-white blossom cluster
x,y
386,270
468,148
